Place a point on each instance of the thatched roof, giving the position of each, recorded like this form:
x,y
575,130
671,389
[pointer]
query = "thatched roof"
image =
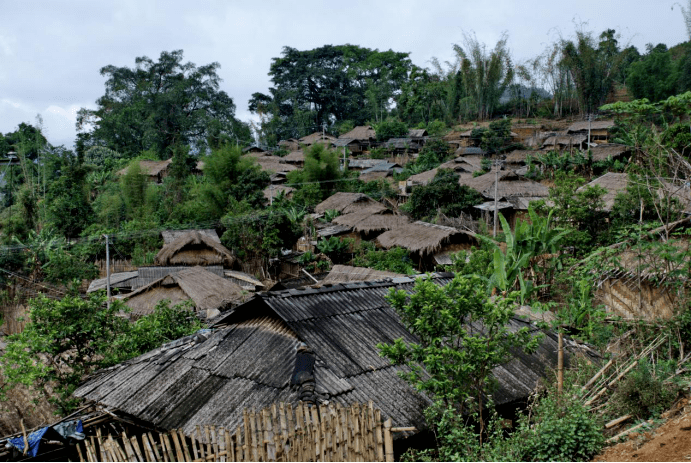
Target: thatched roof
x,y
421,237
207,291
346,203
150,168
289,144
194,248
564,140
594,125
258,154
272,191
244,280
362,132
372,220
423,178
376,175
520,156
364,163
469,151
417,133
613,182
510,184
274,164
348,274
608,150
316,137
171,235
341,142
296,157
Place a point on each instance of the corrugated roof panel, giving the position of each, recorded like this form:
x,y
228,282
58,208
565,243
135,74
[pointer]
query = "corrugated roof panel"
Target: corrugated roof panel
x,y
197,397
174,395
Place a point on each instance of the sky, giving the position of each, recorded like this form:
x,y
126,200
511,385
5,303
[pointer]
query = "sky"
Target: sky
x,y
51,52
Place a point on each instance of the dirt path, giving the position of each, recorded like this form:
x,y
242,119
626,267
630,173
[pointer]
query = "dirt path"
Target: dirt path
x,y
669,442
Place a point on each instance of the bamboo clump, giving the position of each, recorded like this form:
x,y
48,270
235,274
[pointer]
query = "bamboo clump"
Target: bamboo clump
x,y
277,433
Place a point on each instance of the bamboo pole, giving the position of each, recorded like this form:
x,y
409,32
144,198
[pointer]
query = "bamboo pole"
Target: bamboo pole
x,y
379,436
178,447
560,364
617,421
222,444
622,434
213,440
202,455
154,445
388,441
209,450
128,448
183,444
597,375
147,448
169,447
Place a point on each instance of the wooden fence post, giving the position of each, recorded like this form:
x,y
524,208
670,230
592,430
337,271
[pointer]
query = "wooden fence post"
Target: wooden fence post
x,y
388,440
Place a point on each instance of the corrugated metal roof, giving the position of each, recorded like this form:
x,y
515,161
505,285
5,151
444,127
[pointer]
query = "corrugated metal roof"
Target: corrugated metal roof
x,y
247,363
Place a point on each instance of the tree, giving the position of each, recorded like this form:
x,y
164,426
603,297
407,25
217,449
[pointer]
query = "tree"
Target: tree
x,y
654,76
321,165
453,360
327,85
593,66
78,335
158,104
485,75
67,197
443,194
391,128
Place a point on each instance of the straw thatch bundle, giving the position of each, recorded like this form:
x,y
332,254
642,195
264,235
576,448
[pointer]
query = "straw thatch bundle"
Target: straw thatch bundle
x,y
520,156
346,203
206,290
421,237
274,164
510,184
362,132
564,140
295,157
348,274
317,137
608,150
594,125
376,175
194,248
171,235
372,220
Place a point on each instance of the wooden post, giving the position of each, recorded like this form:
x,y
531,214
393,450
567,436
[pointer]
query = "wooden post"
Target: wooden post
x,y
379,436
388,440
560,364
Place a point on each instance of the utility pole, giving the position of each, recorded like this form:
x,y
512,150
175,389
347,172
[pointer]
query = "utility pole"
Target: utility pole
x,y
497,166
107,271
590,122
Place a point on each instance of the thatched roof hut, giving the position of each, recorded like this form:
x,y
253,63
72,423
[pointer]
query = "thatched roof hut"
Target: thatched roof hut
x,y
194,248
361,133
291,144
120,280
348,274
423,238
347,202
565,141
520,156
171,235
510,184
296,157
317,137
154,170
417,133
274,164
372,220
210,293
594,125
608,150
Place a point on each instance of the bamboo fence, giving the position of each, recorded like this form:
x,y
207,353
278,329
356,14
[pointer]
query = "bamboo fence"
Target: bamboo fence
x,y
277,433
116,266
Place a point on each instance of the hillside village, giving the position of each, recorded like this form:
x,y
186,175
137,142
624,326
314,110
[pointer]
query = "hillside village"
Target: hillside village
x,y
373,289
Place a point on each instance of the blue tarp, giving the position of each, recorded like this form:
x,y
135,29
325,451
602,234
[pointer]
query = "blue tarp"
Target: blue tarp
x,y
61,431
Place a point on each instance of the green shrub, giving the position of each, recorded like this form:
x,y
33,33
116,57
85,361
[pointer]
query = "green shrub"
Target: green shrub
x,y
644,393
558,429
394,260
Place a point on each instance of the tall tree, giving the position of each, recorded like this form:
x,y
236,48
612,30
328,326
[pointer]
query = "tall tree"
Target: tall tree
x,y
326,85
486,75
158,104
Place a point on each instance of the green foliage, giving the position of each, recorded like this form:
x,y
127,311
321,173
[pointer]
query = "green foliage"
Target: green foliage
x,y
391,128
330,214
157,105
79,335
647,390
443,194
395,260
436,128
678,137
335,248
321,165
558,428
655,76
497,136
457,360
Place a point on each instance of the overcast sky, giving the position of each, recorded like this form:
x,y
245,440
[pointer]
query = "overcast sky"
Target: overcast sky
x,y
51,51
